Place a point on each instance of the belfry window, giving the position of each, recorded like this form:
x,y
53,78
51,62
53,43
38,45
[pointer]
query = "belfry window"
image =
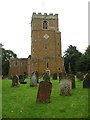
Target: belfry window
x,y
45,25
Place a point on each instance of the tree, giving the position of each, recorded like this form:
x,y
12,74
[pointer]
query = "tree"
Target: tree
x,y
71,55
83,64
6,56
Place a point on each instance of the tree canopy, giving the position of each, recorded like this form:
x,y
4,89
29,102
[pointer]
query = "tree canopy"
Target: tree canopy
x,y
6,56
71,55
83,64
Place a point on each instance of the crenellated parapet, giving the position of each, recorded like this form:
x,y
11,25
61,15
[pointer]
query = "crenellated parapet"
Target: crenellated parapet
x,y
45,15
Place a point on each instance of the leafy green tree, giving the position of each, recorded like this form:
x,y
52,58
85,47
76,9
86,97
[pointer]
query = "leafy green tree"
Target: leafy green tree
x,y
6,56
83,64
71,55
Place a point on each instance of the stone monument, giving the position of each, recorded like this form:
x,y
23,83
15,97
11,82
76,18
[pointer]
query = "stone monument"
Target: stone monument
x,y
33,80
44,90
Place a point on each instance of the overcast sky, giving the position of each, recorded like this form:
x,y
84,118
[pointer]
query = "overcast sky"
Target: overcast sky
x,y
15,16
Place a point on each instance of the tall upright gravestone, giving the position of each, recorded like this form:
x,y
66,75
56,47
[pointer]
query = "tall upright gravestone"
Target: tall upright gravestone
x,y
44,91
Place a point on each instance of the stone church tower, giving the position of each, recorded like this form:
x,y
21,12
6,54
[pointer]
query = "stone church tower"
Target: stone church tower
x,y
45,45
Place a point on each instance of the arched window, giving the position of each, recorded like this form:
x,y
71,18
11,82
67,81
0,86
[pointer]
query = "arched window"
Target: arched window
x,y
44,24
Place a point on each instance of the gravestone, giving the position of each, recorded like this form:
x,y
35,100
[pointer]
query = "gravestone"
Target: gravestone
x,y
55,76
44,92
21,79
72,78
65,87
33,80
86,82
14,81
62,76
46,77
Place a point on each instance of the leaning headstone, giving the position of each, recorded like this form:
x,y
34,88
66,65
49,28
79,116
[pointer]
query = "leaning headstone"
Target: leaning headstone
x,y
65,87
72,78
15,81
33,80
86,82
44,92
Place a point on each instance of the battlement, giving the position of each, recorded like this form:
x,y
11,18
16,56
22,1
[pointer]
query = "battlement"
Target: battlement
x,y
45,15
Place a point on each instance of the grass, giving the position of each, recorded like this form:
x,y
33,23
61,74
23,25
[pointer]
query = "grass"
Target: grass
x,y
20,102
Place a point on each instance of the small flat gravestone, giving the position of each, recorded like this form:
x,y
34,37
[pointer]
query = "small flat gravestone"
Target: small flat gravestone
x,y
86,82
65,87
33,80
44,92
14,81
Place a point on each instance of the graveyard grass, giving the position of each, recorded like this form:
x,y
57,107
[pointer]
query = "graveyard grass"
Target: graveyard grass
x,y
20,102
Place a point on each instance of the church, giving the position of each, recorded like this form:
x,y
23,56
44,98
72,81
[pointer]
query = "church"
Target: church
x,y
46,52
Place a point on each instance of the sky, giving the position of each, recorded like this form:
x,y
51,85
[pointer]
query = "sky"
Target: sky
x,y
15,19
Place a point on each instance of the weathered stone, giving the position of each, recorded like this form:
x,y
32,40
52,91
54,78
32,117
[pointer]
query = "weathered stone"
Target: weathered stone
x,y
65,87
72,78
14,80
33,80
44,92
46,77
